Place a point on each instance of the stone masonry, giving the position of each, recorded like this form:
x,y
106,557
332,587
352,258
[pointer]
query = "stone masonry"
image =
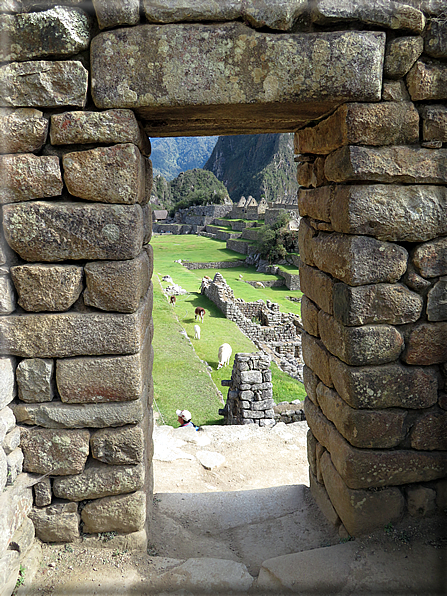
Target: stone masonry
x,y
82,85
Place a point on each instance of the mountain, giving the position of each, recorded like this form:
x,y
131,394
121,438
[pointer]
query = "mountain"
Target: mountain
x,y
257,165
170,156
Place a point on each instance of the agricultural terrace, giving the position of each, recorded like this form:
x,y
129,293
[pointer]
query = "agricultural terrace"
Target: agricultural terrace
x,y
182,375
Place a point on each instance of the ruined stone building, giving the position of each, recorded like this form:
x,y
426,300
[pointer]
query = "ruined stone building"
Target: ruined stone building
x,y
82,86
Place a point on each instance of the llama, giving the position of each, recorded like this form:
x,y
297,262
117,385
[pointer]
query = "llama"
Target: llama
x,y
196,331
199,312
224,355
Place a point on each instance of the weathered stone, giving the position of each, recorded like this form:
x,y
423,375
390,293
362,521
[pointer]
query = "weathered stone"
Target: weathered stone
x,y
441,494
370,429
379,124
415,281
113,174
318,287
316,357
319,493
395,91
9,571
315,203
109,127
23,538
7,385
421,501
359,260
58,522
7,297
411,165
58,32
117,285
361,511
42,493
115,514
436,38
60,452
43,231
251,376
15,465
311,174
15,504
311,453
305,235
310,381
437,301
3,469
43,84
429,432
427,81
117,446
99,480
59,415
275,14
427,344
432,7
387,386
47,287
358,346
22,131
158,68
401,54
390,212
35,380
28,176
115,14
150,253
309,316
430,259
368,468
434,123
377,303
11,440
385,13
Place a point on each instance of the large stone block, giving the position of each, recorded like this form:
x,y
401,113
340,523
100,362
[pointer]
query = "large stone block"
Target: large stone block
x,y
15,504
47,287
387,386
58,522
7,296
22,131
361,511
309,316
377,303
9,571
305,235
359,346
58,452
436,38
117,285
427,81
408,165
367,429
316,358
35,380
113,174
43,84
427,344
117,446
63,335
437,301
310,381
389,123
369,468
401,54
43,231
359,260
109,127
434,123
395,91
59,415
319,493
315,203
390,212
99,480
28,176
42,493
429,432
385,13
114,14
430,259
317,286
125,514
7,378
11,440
58,32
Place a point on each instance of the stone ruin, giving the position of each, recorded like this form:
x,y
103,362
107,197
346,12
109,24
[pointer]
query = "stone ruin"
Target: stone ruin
x,y
364,86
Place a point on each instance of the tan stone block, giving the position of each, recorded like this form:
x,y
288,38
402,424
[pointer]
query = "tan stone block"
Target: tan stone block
x,y
309,316
395,91
35,380
28,176
113,174
310,381
311,456
427,344
22,131
8,389
117,285
319,493
363,124
304,174
408,165
318,287
427,81
7,297
316,203
361,511
429,432
42,493
117,446
358,260
434,123
305,235
115,14
359,346
316,357
430,259
58,522
386,386
123,513
47,287
43,84
401,54
367,429
60,452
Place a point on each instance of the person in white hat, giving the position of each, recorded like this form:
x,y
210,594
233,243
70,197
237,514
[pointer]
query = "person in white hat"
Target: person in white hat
x,y
184,418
